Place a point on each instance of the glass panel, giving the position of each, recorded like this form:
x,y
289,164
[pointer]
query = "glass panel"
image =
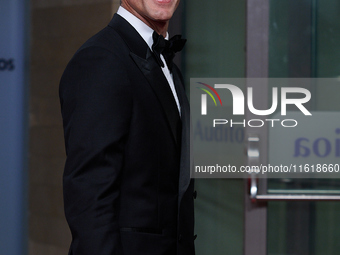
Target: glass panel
x,y
305,42
216,41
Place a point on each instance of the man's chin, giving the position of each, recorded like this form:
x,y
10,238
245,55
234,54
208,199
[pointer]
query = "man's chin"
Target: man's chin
x,y
162,16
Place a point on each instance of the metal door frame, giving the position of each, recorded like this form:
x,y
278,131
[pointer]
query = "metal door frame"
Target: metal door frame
x,y
257,48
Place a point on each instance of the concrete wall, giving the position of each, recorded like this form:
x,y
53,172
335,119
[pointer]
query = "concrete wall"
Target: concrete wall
x,y
58,28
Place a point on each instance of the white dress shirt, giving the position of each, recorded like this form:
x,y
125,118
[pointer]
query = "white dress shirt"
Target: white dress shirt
x,y
146,33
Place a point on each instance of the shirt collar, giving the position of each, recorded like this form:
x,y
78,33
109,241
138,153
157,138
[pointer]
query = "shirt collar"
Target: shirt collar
x,y
143,30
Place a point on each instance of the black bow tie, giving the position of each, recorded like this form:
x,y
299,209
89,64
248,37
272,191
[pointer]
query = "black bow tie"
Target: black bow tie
x,y
167,48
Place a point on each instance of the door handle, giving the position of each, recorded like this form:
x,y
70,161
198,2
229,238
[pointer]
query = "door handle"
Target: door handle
x,y
253,159
295,197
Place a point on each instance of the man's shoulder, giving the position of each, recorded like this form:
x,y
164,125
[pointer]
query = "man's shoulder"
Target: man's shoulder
x,y
106,47
108,38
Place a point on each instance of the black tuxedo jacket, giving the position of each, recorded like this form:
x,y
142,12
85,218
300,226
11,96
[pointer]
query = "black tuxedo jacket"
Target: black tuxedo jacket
x,y
127,187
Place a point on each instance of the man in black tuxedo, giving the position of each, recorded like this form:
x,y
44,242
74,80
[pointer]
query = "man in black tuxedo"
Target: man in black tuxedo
x,y
127,187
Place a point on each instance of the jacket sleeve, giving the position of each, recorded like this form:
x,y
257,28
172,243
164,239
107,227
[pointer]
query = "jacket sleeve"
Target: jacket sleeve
x,y
96,109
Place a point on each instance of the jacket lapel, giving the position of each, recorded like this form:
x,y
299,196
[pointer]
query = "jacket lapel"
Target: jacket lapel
x,y
160,86
146,62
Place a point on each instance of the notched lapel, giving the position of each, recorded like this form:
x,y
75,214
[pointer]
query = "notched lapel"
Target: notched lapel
x,y
160,86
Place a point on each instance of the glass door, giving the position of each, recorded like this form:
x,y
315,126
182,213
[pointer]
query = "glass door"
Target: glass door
x,y
311,34
298,215
279,39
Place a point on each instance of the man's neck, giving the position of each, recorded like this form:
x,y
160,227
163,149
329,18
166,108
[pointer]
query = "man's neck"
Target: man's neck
x,y
161,27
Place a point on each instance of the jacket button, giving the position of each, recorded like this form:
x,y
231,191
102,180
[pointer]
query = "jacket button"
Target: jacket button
x,y
195,236
180,237
194,194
